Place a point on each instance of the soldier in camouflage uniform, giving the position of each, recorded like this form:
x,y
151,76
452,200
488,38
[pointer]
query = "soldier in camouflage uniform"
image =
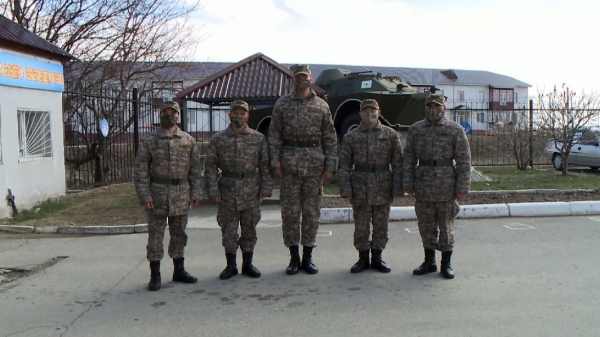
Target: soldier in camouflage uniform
x,y
435,142
371,148
303,146
238,152
167,181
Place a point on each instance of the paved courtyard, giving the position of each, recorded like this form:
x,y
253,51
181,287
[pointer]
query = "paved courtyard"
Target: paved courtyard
x,y
514,277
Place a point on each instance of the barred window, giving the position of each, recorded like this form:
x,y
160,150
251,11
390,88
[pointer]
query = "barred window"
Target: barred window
x,y
34,134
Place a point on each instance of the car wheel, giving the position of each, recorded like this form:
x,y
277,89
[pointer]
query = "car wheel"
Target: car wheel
x,y
594,168
557,162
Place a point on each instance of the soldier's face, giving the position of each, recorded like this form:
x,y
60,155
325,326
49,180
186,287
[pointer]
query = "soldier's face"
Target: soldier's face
x,y
171,112
303,77
434,106
370,115
239,112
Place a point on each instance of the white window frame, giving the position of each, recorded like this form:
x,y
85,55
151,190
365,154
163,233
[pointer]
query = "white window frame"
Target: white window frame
x,y
461,96
23,136
481,96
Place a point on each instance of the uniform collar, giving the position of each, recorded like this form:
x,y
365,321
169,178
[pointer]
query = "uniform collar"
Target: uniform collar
x,y
440,122
294,95
162,133
231,131
363,128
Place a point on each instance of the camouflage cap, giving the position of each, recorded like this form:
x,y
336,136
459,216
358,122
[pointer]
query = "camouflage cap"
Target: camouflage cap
x,y
369,103
239,104
436,98
170,105
302,69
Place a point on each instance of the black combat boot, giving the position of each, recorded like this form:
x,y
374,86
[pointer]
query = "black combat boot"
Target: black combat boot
x,y
363,262
446,267
179,273
378,263
154,284
294,266
429,265
231,269
247,267
307,263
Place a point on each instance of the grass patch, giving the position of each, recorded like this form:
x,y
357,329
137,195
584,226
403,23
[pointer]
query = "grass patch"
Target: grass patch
x,y
106,206
331,189
46,209
509,178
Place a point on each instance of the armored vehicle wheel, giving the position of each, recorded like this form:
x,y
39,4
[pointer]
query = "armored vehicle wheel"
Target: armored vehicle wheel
x,y
350,123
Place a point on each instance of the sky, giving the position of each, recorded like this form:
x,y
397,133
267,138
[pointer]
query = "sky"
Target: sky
x,y
543,43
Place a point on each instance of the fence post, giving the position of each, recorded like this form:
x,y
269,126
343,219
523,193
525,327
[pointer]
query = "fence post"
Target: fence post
x,y
184,115
136,120
211,127
531,133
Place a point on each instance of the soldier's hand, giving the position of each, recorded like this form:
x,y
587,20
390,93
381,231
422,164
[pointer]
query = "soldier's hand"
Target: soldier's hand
x,y
461,196
262,196
277,173
194,203
149,205
409,192
327,176
217,200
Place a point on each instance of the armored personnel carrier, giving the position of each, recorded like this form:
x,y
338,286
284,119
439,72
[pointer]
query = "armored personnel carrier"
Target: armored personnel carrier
x,y
401,104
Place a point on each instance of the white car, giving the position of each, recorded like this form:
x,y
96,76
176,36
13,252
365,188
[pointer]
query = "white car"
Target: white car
x,y
585,150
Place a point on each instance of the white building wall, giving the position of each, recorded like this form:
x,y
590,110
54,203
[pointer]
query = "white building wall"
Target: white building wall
x,y
31,180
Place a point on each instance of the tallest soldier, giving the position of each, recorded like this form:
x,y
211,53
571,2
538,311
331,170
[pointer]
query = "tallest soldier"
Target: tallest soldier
x,y
303,146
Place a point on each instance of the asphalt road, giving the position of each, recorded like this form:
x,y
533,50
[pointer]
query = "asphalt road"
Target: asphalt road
x,y
538,281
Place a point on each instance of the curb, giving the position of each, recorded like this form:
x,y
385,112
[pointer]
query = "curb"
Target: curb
x,y
113,230
534,209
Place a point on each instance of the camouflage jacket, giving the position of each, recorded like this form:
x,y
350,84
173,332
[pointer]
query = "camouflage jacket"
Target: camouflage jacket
x,y
445,140
378,146
238,152
168,157
296,119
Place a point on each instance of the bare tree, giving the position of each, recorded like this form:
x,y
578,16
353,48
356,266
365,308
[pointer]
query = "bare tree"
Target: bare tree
x,y
516,136
119,45
563,113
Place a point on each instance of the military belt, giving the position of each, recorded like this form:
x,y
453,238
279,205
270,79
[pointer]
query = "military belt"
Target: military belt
x,y
301,143
371,168
239,175
436,162
168,181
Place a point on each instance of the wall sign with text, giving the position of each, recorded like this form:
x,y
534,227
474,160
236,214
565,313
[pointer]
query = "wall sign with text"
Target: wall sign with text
x,y
24,72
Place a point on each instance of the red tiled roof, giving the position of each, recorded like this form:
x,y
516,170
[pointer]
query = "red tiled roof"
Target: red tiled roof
x,y
257,78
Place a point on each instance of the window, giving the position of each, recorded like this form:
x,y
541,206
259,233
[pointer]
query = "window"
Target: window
x,y
502,97
481,96
34,134
461,117
516,98
481,117
461,96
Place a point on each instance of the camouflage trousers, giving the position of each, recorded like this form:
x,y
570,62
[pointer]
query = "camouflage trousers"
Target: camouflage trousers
x,y
364,215
300,195
229,219
436,224
156,234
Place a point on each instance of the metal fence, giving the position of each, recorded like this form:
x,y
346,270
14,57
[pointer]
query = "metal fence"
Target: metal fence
x,y
93,159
